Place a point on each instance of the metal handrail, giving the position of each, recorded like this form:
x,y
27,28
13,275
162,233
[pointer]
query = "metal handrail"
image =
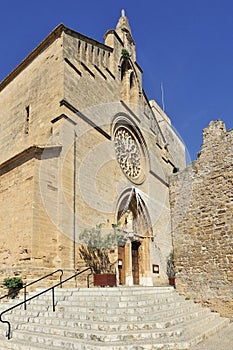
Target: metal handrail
x,y
29,284
8,334
38,280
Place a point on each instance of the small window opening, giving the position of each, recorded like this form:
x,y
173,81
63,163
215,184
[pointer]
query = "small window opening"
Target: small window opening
x,y
85,53
98,57
92,54
79,49
131,80
27,109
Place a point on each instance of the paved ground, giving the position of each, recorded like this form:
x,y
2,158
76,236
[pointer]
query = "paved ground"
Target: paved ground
x,y
222,340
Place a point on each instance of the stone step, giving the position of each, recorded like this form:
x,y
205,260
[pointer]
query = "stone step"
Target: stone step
x,y
102,300
61,294
140,325
101,314
106,325
105,332
107,295
169,315
166,311
110,292
109,321
110,318
198,332
100,335
55,342
117,290
100,304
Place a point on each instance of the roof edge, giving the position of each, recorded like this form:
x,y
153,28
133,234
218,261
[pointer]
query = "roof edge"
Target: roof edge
x,y
39,49
56,33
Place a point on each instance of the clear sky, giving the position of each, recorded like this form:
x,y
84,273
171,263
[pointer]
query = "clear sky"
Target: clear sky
x,y
185,44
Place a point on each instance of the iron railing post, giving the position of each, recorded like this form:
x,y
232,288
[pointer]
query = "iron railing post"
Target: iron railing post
x,y
53,299
24,293
61,278
8,334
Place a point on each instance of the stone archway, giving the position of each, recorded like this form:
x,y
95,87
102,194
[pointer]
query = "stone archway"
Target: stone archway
x,y
134,255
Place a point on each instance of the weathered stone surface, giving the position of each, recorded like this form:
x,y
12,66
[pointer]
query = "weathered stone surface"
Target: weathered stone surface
x,y
60,109
202,221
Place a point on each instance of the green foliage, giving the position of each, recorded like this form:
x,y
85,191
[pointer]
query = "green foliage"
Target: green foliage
x,y
125,53
170,265
98,245
13,282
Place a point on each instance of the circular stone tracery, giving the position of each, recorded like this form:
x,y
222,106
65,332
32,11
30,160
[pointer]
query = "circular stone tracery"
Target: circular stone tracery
x,y
129,154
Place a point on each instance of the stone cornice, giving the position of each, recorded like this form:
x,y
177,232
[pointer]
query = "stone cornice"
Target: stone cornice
x,y
84,117
29,153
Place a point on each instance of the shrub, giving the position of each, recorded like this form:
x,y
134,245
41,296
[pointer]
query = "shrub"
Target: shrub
x,y
13,282
125,53
97,247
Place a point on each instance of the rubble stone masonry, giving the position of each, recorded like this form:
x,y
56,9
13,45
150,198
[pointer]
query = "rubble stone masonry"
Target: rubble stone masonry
x,y
201,199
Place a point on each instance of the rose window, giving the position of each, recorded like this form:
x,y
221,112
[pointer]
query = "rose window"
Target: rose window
x,y
129,153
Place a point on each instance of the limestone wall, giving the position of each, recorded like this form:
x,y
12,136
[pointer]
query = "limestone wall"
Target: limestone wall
x,y
70,98
16,203
88,78
30,101
202,220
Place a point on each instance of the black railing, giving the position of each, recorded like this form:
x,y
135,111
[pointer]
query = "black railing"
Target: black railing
x,y
8,334
29,284
40,279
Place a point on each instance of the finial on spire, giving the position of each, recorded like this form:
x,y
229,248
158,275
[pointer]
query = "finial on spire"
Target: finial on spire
x,y
123,25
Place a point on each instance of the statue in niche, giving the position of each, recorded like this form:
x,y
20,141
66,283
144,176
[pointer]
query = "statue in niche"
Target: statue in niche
x,y
128,221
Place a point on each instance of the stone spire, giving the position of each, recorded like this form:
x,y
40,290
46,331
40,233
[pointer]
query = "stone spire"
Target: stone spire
x,y
123,24
124,32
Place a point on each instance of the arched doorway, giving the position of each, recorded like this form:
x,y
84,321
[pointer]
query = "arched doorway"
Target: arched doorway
x,y
134,254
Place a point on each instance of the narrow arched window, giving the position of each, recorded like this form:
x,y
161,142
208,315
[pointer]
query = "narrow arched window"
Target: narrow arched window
x,y
79,49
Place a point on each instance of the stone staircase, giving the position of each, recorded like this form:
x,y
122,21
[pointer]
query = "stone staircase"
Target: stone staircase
x,y
129,318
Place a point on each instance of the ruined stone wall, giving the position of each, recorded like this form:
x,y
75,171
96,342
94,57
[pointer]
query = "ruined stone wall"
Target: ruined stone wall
x,y
202,220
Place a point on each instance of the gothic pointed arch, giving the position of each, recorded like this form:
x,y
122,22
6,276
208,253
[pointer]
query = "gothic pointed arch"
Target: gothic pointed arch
x,y
129,81
133,215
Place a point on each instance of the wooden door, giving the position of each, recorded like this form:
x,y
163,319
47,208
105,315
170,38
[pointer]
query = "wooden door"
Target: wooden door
x,y
121,266
135,262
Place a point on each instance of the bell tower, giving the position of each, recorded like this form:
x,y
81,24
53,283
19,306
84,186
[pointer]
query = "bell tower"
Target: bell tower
x,y
124,32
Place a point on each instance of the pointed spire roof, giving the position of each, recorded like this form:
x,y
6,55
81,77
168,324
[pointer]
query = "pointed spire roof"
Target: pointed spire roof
x,y
123,23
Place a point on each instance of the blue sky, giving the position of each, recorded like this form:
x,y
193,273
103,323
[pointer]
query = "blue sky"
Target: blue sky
x,y
186,44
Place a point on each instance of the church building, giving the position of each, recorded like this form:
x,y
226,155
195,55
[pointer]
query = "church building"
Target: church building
x,y
81,145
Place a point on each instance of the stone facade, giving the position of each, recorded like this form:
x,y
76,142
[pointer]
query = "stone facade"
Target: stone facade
x,y
82,145
202,221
